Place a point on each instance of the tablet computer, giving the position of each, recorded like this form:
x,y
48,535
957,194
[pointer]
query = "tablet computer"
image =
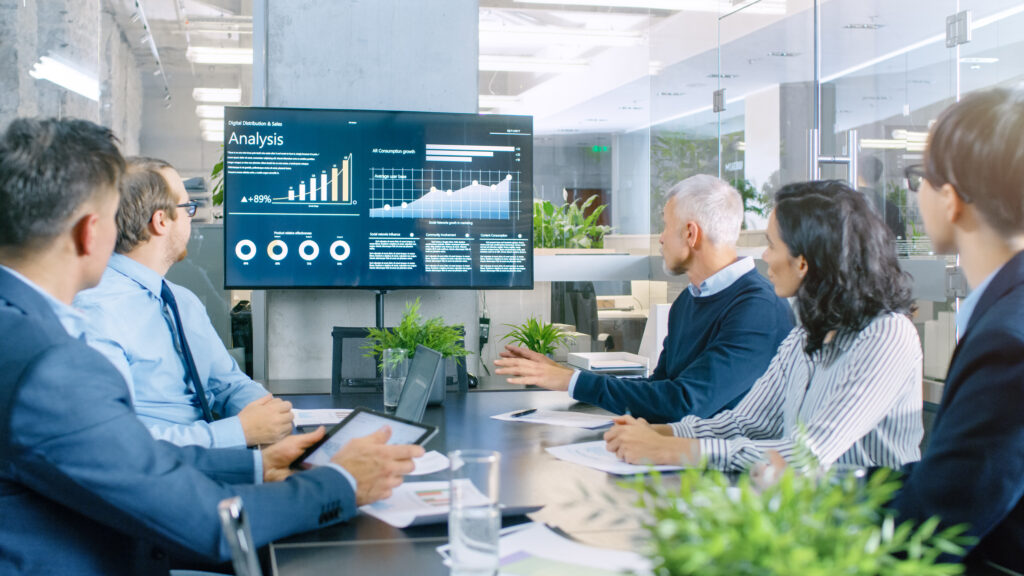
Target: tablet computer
x,y
362,422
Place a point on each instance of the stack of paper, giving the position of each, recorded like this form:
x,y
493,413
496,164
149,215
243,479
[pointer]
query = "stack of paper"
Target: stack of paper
x,y
558,418
533,549
622,363
595,455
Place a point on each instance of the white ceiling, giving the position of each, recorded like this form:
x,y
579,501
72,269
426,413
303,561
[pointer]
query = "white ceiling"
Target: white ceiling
x,y
667,73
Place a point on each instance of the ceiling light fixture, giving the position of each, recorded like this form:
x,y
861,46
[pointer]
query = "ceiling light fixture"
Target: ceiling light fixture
x,y
527,64
211,125
494,33
220,95
215,55
66,76
864,26
211,136
762,7
976,60
210,111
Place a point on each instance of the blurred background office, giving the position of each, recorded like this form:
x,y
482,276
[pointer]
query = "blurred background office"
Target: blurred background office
x,y
628,97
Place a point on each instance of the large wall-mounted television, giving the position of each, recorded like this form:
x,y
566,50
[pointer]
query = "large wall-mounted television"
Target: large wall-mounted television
x,y
377,199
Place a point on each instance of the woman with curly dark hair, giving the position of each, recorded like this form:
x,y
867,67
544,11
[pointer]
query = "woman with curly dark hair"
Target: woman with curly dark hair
x,y
846,383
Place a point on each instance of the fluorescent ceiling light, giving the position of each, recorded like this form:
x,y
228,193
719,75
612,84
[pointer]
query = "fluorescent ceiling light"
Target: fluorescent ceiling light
x,y
66,76
557,35
215,55
716,6
221,95
528,64
211,125
976,60
210,111
211,136
495,100
882,144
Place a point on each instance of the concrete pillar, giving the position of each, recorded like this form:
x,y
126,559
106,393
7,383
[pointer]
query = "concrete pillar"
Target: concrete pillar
x,y
18,33
379,54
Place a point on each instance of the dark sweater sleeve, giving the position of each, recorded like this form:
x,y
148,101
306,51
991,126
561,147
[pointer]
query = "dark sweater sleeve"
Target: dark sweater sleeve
x,y
745,342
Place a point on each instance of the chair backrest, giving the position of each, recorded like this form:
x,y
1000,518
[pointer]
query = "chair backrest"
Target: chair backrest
x,y
236,530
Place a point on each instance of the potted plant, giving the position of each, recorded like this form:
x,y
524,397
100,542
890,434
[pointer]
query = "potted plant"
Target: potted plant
x,y
538,336
568,226
413,330
804,524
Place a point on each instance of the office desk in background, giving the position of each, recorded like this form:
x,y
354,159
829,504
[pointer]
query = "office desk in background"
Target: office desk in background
x,y
570,493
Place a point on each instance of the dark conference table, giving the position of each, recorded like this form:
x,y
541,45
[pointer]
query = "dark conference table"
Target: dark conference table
x,y
584,503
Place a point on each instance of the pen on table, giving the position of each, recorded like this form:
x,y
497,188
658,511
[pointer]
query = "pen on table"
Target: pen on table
x,y
522,413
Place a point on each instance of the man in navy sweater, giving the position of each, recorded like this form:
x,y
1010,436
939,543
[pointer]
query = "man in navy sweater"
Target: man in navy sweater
x,y
723,329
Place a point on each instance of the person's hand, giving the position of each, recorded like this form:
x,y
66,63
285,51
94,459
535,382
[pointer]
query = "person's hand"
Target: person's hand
x,y
768,471
513,351
278,456
528,367
637,442
266,420
377,467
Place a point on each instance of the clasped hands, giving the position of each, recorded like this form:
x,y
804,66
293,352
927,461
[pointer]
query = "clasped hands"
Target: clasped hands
x,y
638,442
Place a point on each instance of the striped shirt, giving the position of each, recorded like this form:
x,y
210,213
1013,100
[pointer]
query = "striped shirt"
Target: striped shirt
x,y
856,401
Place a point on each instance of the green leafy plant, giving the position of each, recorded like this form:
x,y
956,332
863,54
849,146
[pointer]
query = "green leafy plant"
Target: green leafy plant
x,y
811,525
568,226
754,202
538,336
217,177
413,330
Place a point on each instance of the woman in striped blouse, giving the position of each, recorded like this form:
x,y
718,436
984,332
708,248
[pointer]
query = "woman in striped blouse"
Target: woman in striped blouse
x,y
846,383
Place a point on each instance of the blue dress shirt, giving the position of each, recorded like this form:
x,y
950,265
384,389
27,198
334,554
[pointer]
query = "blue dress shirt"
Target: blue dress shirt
x,y
967,305
709,287
131,327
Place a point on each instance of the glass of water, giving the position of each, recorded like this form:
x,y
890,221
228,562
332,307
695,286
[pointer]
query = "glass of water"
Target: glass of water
x,y
396,368
474,519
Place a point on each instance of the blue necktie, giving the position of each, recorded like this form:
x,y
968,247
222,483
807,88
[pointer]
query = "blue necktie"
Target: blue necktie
x,y
190,364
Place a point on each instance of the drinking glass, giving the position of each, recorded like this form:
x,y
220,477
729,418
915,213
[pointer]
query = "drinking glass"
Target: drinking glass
x,y
474,519
396,368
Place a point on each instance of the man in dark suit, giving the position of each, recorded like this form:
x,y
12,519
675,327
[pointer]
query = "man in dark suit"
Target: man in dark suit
x,y
971,194
84,489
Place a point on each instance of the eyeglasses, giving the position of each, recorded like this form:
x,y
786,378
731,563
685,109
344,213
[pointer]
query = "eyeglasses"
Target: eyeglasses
x,y
915,175
190,207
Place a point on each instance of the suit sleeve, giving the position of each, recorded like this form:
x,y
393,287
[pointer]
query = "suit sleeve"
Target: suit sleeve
x,y
726,369
973,470
78,442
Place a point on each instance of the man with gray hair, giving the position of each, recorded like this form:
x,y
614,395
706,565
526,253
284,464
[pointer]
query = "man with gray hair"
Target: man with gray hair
x,y
722,330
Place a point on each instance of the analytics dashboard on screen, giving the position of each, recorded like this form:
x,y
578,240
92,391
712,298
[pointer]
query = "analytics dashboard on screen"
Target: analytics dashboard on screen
x,y
377,199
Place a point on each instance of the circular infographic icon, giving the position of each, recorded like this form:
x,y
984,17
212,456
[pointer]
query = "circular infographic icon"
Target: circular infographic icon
x,y
277,250
342,246
245,250
309,250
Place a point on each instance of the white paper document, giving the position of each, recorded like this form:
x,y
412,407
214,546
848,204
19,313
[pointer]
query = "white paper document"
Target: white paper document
x,y
533,549
559,418
320,416
429,463
415,503
594,455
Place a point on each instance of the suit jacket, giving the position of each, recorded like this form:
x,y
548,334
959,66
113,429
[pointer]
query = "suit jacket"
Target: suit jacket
x,y
973,470
84,488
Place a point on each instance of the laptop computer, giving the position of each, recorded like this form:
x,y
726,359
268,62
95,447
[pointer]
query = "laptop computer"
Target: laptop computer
x,y
424,369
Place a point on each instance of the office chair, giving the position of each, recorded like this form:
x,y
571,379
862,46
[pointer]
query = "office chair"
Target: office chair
x,y
236,529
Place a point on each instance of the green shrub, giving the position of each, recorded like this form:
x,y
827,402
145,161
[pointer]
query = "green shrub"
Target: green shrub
x,y
537,335
566,226
412,330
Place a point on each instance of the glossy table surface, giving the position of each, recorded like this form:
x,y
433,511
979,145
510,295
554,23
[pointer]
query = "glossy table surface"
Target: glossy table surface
x,y
587,504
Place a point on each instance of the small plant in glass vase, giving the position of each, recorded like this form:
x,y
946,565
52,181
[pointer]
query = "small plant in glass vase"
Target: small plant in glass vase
x,y
539,336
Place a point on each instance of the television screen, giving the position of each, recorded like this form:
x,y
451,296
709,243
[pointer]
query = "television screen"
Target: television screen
x,y
377,200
